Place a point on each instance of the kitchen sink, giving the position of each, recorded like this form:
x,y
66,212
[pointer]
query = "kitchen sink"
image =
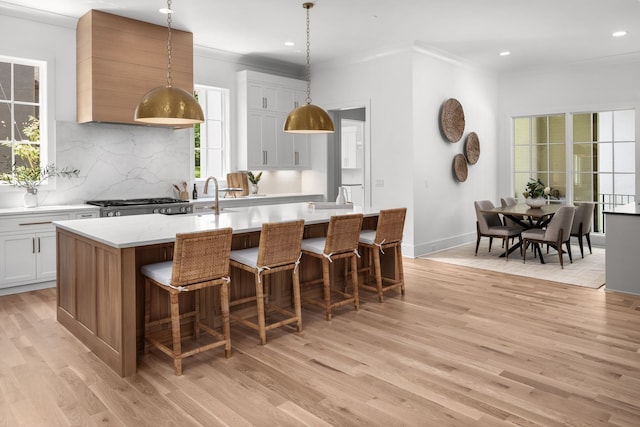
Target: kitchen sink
x,y
211,211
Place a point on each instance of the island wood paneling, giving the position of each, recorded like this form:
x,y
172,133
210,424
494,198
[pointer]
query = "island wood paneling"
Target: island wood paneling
x,y
120,59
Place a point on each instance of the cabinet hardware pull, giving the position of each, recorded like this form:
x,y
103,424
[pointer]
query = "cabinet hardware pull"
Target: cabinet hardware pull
x,y
35,223
264,157
33,245
86,215
38,245
297,158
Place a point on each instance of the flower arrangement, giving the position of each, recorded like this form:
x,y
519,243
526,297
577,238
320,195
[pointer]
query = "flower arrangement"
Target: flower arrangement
x,y
254,179
31,175
535,188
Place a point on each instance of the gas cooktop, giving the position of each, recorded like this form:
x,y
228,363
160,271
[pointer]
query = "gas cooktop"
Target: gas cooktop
x,y
135,202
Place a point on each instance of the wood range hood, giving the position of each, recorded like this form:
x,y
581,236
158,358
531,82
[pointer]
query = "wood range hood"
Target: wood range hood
x,y
120,59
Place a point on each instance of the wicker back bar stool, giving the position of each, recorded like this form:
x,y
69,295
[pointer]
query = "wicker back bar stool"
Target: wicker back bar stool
x,y
386,236
341,242
200,260
278,250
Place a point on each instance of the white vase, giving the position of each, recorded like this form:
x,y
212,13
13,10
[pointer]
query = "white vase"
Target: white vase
x,y
30,198
253,188
340,200
536,203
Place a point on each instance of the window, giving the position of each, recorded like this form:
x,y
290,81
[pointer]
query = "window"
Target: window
x,y
211,137
599,160
22,138
539,152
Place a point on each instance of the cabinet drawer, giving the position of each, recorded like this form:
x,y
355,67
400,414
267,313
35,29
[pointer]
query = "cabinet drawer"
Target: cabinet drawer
x,y
85,215
29,223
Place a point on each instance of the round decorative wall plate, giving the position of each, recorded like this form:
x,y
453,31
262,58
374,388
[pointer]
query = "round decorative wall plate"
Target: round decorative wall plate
x,y
460,167
452,120
472,148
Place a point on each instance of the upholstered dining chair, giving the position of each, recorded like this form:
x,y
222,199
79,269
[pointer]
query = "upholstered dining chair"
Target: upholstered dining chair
x,y
341,242
582,222
506,202
558,231
200,261
278,250
489,225
386,236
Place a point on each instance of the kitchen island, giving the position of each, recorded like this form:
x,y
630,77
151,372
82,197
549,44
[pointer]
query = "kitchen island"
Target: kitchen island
x,y
101,291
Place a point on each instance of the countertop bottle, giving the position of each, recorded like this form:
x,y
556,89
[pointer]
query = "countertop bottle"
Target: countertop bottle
x,y
195,192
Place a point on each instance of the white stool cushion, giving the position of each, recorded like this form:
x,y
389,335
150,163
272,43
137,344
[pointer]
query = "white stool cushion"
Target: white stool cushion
x,y
247,257
315,245
160,272
368,237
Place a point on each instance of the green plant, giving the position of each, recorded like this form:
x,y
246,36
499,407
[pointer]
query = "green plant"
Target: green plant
x,y
254,179
30,175
535,188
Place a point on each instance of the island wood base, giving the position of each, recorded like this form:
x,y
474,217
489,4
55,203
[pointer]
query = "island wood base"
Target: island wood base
x,y
100,291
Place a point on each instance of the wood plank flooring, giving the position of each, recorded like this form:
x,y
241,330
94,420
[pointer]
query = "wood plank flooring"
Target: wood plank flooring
x,y
464,347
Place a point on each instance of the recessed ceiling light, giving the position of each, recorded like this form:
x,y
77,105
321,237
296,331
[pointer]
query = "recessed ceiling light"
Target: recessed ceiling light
x,y
289,44
505,53
619,34
165,10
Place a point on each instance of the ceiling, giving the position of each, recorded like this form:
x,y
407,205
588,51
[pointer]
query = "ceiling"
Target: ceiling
x,y
538,33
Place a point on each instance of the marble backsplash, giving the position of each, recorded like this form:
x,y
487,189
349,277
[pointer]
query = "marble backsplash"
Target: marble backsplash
x,y
115,161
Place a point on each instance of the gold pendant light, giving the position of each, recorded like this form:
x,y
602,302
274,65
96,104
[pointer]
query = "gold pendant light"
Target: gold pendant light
x,y
168,105
308,118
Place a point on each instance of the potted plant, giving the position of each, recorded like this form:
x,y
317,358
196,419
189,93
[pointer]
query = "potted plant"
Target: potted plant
x,y
534,193
29,175
253,180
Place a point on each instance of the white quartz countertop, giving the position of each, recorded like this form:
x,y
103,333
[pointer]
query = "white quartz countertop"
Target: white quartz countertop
x,y
628,209
142,230
45,209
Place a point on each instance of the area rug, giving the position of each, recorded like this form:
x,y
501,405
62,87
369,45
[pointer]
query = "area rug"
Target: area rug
x,y
588,272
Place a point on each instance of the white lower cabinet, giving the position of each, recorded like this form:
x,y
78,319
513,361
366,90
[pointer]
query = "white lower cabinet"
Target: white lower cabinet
x,y
27,258
28,248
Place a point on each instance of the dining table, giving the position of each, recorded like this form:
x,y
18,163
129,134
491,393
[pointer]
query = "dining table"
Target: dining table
x,y
527,217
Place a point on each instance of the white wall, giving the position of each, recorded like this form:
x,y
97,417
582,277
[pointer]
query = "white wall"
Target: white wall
x,y
410,162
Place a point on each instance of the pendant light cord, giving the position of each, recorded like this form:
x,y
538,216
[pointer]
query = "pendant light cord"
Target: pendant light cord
x,y
169,12
308,6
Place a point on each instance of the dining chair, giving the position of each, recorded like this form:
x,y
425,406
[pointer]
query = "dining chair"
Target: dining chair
x,y
386,236
558,231
200,261
490,225
506,202
341,242
278,250
582,222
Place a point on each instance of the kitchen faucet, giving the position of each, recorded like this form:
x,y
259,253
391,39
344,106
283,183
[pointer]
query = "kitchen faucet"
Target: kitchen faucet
x,y
216,206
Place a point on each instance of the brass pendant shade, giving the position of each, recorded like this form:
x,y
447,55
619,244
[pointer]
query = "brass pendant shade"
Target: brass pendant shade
x,y
308,118
167,105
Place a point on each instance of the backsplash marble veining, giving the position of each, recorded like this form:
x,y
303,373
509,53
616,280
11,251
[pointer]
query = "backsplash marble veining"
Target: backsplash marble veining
x,y
115,161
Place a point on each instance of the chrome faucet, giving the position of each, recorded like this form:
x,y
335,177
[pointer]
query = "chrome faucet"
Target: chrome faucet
x,y
216,206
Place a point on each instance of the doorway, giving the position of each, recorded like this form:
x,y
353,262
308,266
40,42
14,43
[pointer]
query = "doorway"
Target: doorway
x,y
346,166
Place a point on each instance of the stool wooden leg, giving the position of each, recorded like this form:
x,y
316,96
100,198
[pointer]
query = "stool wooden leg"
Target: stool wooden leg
x,y
326,280
378,272
196,318
224,311
296,298
260,306
399,268
147,314
354,278
175,333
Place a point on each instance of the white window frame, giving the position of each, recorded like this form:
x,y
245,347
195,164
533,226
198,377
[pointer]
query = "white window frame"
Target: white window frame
x,y
47,146
224,153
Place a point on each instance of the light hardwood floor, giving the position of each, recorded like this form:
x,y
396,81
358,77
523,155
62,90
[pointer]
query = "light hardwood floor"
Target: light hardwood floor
x,y
464,347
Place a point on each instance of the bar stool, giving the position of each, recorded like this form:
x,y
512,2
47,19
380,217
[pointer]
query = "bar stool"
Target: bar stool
x,y
200,260
387,235
278,250
341,242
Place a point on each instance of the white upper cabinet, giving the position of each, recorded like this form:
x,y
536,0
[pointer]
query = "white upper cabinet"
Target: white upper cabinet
x,y
264,101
